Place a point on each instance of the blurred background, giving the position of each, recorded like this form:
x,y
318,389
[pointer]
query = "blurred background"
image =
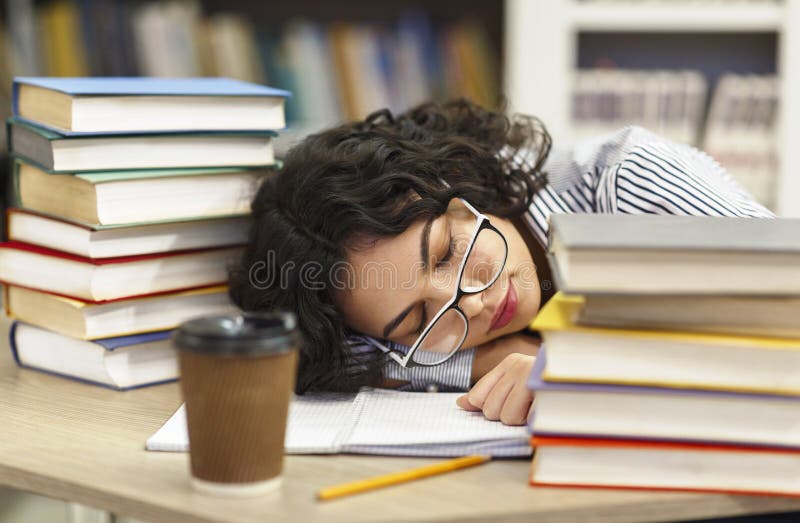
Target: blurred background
x,y
723,75
717,74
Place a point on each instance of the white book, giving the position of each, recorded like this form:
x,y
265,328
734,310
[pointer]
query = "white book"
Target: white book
x,y
377,421
104,280
134,240
119,363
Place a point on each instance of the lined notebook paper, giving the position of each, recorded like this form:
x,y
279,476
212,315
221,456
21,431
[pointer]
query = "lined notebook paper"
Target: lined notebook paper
x,y
378,421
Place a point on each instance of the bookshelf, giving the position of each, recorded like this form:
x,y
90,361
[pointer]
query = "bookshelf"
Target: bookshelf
x,y
543,44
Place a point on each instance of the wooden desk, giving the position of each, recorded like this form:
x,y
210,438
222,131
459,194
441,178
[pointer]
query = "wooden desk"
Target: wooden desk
x,y
82,443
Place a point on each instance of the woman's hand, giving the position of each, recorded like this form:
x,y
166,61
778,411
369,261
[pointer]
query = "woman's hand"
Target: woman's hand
x,y
502,393
489,355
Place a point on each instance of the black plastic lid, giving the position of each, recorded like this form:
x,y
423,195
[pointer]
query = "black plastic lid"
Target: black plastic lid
x,y
247,334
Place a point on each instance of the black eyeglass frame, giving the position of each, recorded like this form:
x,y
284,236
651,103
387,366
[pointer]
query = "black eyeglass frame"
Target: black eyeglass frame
x,y
406,360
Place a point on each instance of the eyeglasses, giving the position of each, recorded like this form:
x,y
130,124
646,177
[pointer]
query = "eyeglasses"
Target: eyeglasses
x,y
482,263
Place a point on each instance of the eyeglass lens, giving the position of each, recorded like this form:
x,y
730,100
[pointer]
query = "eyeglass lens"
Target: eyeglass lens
x,y
481,270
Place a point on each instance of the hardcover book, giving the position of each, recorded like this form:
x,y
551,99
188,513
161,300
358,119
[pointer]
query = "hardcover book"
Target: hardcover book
x,y
112,278
657,254
124,240
118,363
629,464
59,153
84,106
123,198
659,413
88,320
773,316
663,358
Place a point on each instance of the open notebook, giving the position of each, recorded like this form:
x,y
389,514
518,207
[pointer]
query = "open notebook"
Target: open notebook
x,y
378,421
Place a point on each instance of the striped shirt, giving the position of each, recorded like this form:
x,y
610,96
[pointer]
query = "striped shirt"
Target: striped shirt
x,y
631,171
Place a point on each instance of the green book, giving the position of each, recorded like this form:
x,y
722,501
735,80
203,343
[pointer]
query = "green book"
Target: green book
x,y
58,153
125,198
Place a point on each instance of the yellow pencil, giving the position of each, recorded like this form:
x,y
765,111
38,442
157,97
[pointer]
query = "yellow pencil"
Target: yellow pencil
x,y
354,487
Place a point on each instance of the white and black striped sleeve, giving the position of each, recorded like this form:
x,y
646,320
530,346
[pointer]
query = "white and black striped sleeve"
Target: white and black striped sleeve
x,y
661,177
453,375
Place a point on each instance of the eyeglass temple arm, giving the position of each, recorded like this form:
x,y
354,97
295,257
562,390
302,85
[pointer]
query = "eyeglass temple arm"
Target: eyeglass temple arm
x,y
400,360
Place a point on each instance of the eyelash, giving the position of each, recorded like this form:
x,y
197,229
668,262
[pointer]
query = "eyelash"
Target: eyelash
x,y
450,249
423,320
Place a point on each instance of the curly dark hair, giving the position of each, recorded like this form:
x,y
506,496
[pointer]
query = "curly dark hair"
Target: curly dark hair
x,y
353,182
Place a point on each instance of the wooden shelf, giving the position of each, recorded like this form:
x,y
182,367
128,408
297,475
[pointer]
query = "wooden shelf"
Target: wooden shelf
x,y
541,54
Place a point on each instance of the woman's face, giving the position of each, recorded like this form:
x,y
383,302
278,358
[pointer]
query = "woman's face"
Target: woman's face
x,y
398,284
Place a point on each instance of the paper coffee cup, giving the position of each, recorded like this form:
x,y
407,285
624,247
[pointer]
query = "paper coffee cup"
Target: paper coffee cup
x,y
237,378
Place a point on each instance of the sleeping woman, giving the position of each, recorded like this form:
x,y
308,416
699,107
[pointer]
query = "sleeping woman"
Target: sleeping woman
x,y
411,247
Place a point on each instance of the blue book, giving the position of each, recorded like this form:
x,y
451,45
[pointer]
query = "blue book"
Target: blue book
x,y
119,363
122,105
71,153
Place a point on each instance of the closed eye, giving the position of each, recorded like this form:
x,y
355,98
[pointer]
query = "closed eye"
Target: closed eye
x,y
451,247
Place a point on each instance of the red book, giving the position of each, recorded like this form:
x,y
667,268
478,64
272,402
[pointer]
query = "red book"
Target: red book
x,y
111,278
652,465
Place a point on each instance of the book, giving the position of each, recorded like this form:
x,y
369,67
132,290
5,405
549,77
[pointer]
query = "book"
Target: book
x,y
65,51
569,462
25,54
111,242
741,131
118,363
89,320
669,102
111,278
377,421
79,106
659,254
233,46
616,411
137,197
746,315
67,154
663,358
164,38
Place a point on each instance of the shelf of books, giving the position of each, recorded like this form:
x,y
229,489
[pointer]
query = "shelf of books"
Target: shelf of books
x,y
723,76
340,63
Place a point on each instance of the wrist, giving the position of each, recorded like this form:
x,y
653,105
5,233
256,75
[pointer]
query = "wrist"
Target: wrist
x,y
490,354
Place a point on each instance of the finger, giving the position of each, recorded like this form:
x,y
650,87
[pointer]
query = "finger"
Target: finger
x,y
517,405
479,392
497,397
464,403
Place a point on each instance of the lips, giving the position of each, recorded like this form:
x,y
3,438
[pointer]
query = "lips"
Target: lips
x,y
505,311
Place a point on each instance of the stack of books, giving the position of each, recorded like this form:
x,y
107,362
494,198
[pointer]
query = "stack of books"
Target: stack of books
x,y
674,360
132,200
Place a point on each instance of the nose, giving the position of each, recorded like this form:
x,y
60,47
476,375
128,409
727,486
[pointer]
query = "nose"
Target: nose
x,y
472,305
